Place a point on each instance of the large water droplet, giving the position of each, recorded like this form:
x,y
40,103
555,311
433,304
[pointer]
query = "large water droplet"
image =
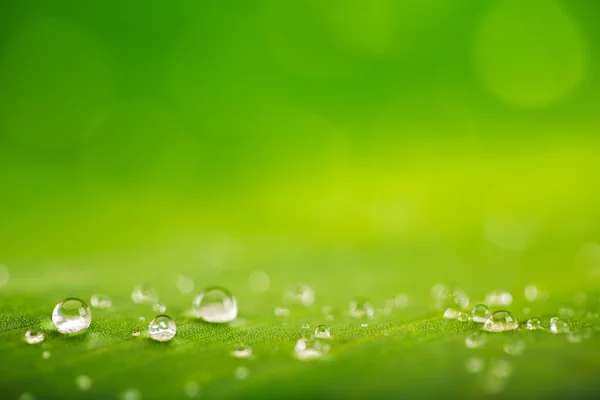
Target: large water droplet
x,y
475,340
71,315
301,294
101,301
361,308
34,337
534,323
557,325
322,332
480,313
501,321
241,351
309,349
144,295
216,305
162,328
83,382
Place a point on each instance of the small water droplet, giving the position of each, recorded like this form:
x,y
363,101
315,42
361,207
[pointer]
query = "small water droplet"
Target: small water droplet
x,y
215,304
480,313
131,394
309,349
259,281
574,337
474,365
135,334
46,355
534,323
241,351
501,321
101,301
451,313
557,325
4,275
475,340
162,328
191,389
281,312
34,337
463,317
161,308
144,295
514,347
83,382
184,284
241,373
322,332
71,315
401,301
361,308
301,294
499,298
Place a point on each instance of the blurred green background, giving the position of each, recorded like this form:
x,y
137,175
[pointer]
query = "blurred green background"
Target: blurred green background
x,y
419,139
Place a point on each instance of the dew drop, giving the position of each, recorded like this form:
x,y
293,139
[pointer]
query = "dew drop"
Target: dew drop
x,y
241,351
215,304
131,394
191,389
301,294
281,312
46,355
161,308
501,321
474,365
514,347
71,315
241,373
499,298
463,317
322,332
533,324
480,313
450,313
144,295
162,328
101,301
475,340
361,308
309,349
184,284
557,325
34,337
83,382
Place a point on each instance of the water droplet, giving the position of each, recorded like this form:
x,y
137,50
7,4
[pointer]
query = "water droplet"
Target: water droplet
x,y
83,382
480,313
162,328
135,334
475,340
501,321
26,396
241,373
131,394
499,298
46,355
309,349
191,389
144,295
161,308
534,323
241,351
185,284
446,297
259,281
215,304
71,315
450,313
34,337
4,275
474,365
301,294
361,308
281,312
574,337
557,325
101,301
322,332
566,312
463,317
401,301
514,347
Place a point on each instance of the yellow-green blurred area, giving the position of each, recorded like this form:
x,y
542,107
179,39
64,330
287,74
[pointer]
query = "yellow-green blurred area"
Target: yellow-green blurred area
x,y
449,138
